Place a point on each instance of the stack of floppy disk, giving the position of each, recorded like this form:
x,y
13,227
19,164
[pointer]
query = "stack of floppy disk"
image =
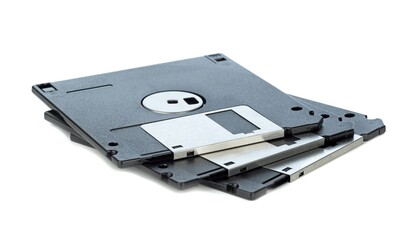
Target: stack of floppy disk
x,y
205,120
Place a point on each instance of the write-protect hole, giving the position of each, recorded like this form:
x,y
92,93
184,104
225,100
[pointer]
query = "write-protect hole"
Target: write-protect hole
x,y
217,57
324,115
297,108
286,169
228,163
191,101
301,174
113,144
349,115
172,101
47,87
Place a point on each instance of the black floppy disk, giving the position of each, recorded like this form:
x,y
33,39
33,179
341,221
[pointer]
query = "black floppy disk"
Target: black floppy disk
x,y
205,120
176,110
187,172
254,183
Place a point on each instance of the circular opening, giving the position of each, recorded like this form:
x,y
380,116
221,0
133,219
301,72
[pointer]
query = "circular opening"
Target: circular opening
x,y
297,108
325,115
349,115
311,113
113,144
163,165
340,119
173,102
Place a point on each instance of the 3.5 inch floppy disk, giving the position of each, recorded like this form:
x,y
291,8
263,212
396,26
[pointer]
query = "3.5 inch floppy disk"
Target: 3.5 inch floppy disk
x,y
254,183
187,172
204,120
176,110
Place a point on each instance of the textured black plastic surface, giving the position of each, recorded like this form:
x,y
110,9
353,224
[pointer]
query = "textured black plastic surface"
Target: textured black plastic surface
x,y
367,128
107,108
334,129
55,118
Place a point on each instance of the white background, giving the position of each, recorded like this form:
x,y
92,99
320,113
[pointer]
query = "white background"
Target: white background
x,y
345,53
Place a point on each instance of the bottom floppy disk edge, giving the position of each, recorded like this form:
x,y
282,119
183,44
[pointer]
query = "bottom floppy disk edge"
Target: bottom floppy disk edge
x,y
191,171
255,183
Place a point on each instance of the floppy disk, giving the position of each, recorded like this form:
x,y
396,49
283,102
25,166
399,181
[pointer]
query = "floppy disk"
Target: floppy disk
x,y
176,110
195,121
188,172
253,184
